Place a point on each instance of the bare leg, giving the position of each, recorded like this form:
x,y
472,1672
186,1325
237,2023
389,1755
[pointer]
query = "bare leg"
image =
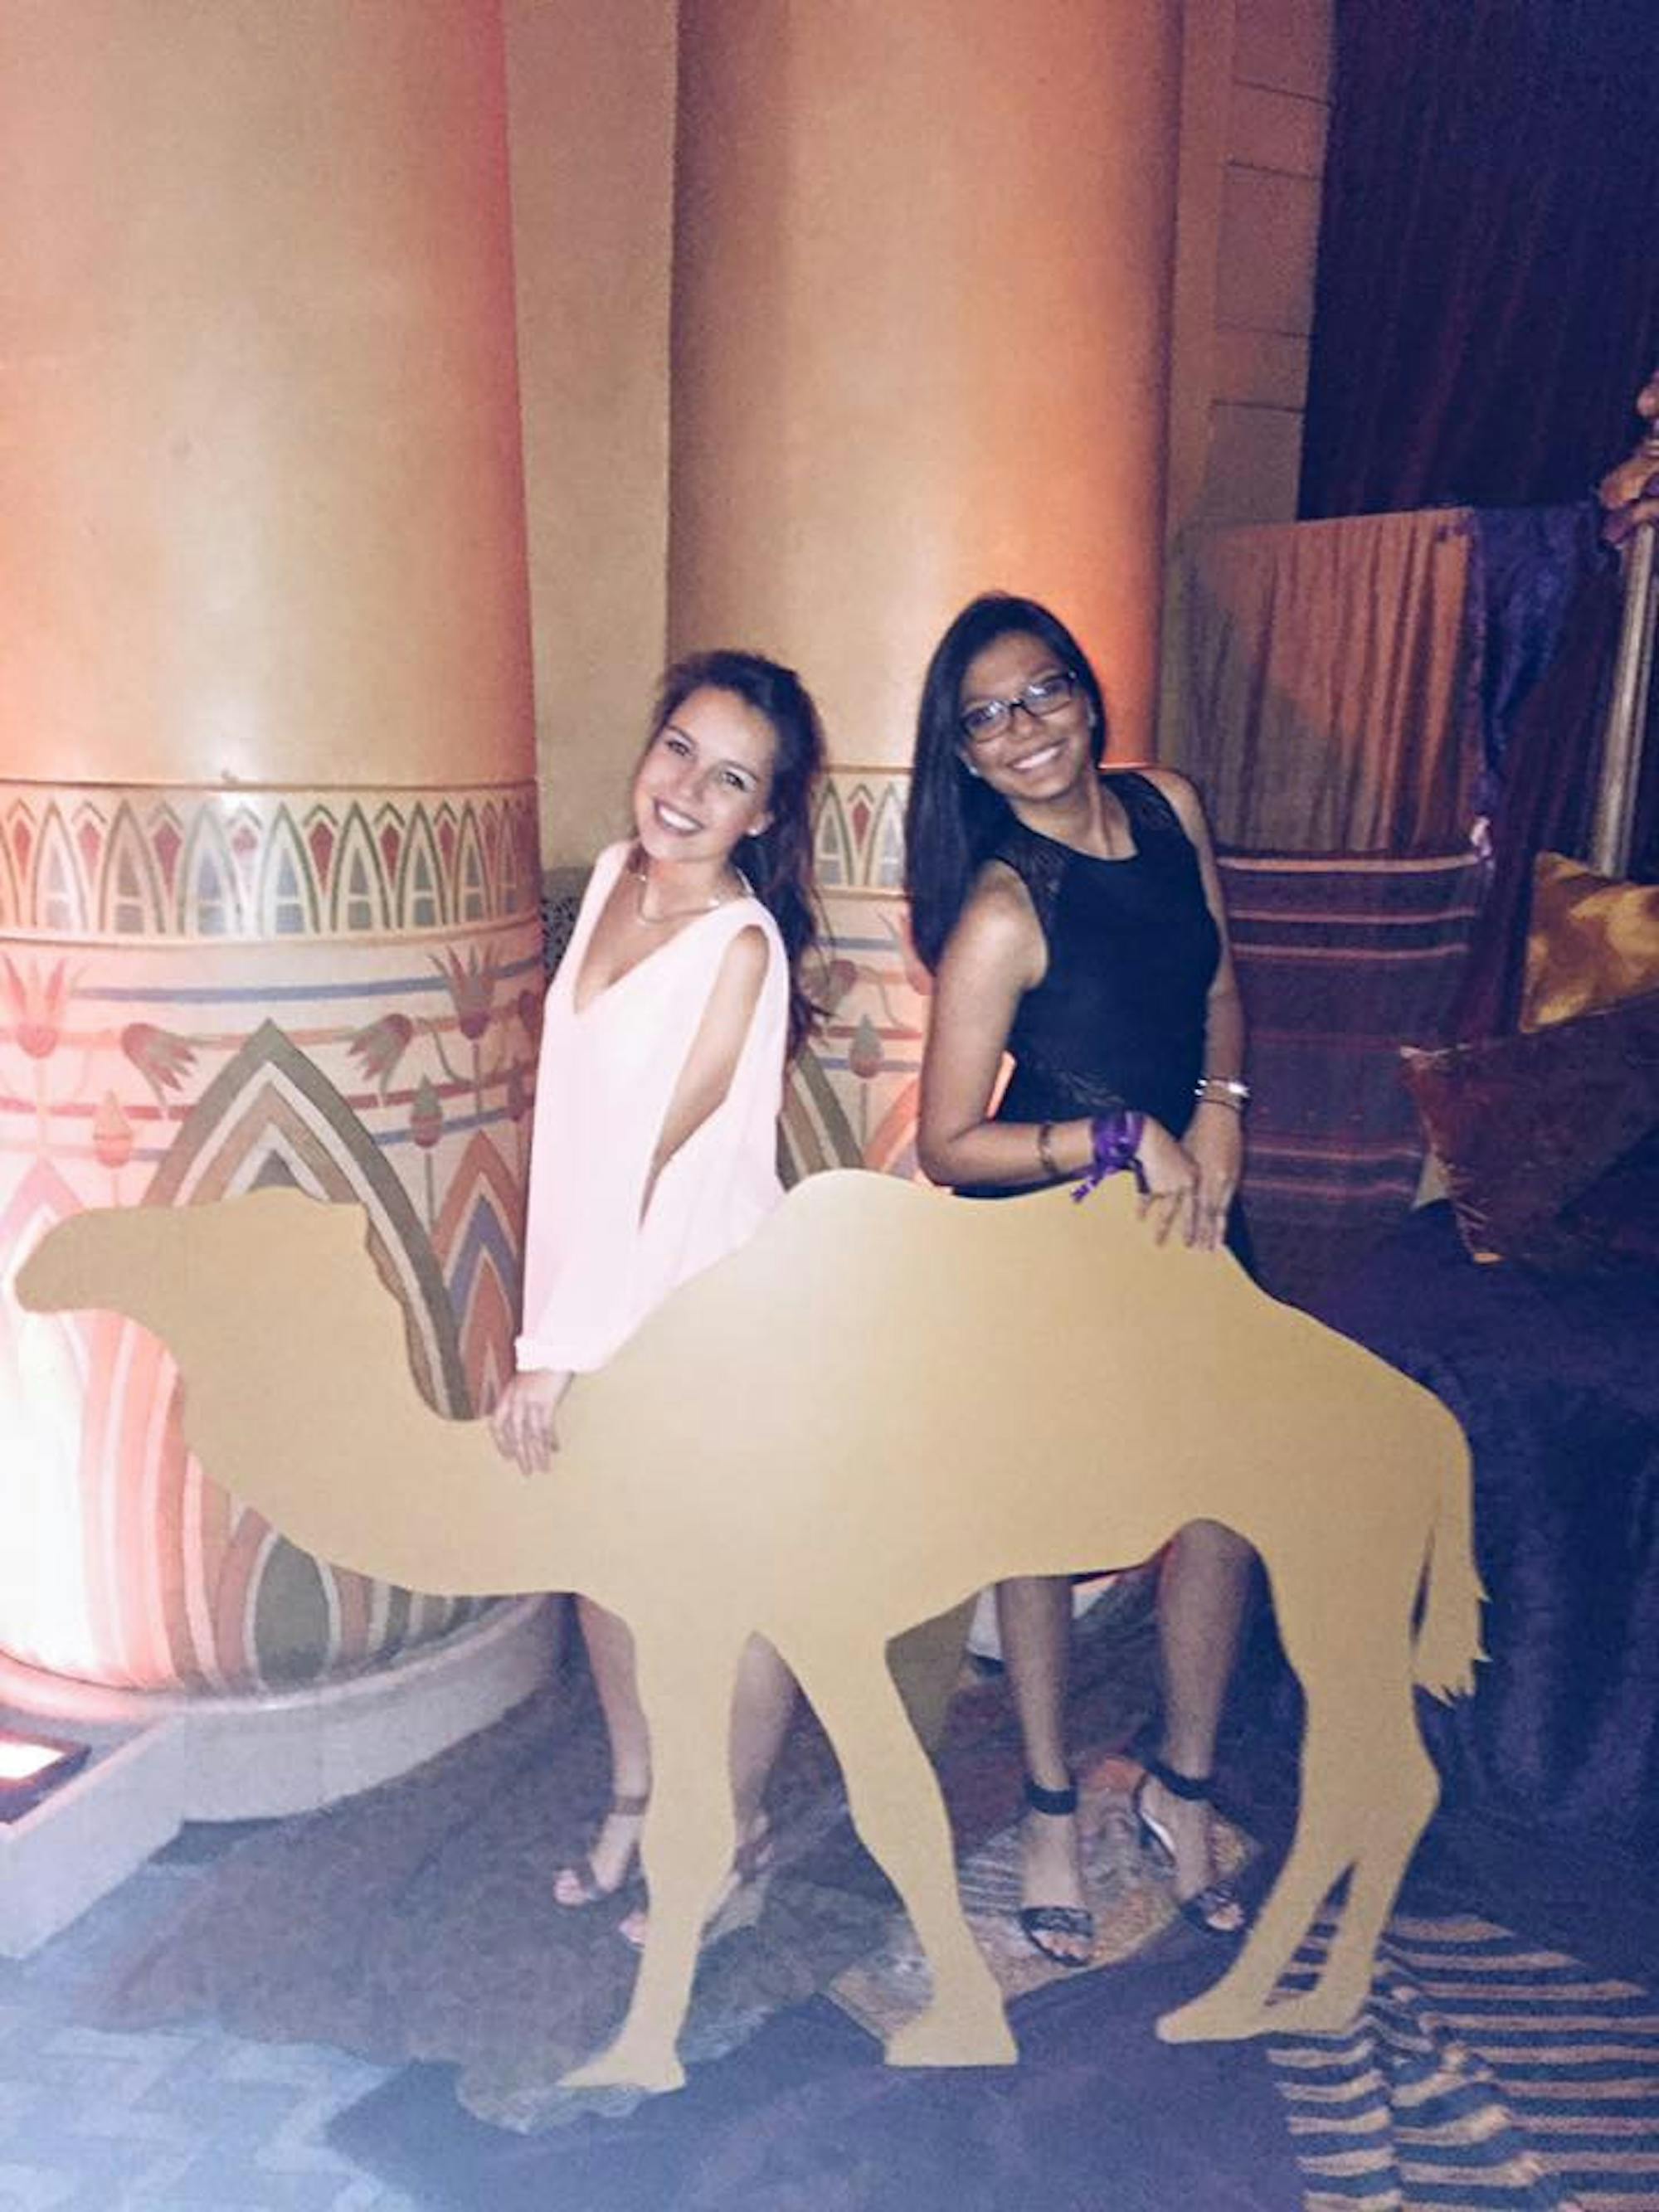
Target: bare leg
x,y
760,1710
687,1840
1033,1616
1201,1600
610,1655
894,1796
761,1704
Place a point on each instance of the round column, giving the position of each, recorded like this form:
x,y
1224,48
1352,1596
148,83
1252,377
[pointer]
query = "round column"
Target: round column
x,y
268,850
922,277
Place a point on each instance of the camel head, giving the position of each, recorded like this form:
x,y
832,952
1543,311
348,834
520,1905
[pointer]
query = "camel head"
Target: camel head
x,y
180,1271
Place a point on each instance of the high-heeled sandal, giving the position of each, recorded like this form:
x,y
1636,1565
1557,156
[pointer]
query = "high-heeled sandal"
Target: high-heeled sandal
x,y
584,1879
743,1903
1040,1921
1217,1908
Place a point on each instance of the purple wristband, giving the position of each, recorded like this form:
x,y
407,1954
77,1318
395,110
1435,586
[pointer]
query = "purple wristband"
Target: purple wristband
x,y
1116,1138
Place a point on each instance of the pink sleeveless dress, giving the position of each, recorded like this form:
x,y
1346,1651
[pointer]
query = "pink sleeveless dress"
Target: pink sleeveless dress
x,y
594,1269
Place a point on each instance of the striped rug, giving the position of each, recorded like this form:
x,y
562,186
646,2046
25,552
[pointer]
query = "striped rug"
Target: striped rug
x,y
1485,2073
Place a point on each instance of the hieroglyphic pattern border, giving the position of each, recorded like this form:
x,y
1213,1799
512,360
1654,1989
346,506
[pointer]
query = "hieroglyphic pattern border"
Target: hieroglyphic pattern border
x,y
86,862
246,1017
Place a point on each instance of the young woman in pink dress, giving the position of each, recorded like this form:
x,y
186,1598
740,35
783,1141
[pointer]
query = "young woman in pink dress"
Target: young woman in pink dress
x,y
655,1143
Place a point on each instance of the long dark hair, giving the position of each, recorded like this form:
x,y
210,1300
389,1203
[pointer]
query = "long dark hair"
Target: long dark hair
x,y
778,862
952,820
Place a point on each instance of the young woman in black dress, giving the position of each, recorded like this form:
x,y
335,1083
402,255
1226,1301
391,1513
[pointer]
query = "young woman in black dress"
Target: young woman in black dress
x,y
1073,920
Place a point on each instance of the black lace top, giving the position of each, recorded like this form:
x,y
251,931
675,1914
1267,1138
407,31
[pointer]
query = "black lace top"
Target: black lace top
x,y
1120,1014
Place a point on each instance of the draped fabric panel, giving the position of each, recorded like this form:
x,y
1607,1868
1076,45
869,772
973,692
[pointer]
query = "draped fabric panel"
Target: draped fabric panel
x,y
1549,787
1351,696
1325,695
1341,961
1488,296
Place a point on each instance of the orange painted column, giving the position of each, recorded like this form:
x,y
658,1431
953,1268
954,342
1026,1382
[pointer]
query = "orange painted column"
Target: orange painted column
x,y
268,850
921,314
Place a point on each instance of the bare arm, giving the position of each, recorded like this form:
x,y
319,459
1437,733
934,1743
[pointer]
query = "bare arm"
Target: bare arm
x,y
995,954
1215,1135
1224,1023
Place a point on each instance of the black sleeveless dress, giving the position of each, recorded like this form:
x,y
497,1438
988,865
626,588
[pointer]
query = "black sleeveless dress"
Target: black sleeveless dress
x,y
1119,1017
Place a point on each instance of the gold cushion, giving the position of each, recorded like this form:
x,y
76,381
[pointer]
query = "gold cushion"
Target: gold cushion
x,y
1592,941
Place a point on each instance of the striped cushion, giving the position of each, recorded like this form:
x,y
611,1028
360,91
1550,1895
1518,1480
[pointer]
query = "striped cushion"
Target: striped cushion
x,y
1341,961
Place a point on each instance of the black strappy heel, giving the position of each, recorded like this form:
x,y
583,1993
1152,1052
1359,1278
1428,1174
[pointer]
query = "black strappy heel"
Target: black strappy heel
x,y
1038,1920
1218,1909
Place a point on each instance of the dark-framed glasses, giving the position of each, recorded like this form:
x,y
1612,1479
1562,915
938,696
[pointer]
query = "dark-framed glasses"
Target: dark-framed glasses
x,y
988,718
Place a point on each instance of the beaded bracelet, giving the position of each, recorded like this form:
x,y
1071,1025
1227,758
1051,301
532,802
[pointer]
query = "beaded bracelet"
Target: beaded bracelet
x,y
1114,1138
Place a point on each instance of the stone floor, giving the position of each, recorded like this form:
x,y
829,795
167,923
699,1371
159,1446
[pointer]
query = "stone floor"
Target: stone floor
x,y
168,2121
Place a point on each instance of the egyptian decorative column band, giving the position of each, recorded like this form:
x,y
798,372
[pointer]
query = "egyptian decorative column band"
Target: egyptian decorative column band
x,y
202,992
268,864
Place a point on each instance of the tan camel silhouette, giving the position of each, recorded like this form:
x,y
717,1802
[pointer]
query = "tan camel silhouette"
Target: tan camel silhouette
x,y
886,1400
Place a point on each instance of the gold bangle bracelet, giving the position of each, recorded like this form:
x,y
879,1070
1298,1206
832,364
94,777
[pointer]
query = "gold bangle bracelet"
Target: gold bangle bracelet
x,y
1046,1159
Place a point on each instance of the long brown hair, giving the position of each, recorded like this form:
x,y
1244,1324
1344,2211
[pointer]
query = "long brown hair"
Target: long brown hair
x,y
778,862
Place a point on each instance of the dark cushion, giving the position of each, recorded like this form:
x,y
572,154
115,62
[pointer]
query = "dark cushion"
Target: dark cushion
x,y
1547,1140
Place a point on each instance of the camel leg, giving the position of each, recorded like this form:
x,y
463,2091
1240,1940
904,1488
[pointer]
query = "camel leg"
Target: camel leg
x,y
1320,1852
1393,1823
1338,1831
685,1846
896,1808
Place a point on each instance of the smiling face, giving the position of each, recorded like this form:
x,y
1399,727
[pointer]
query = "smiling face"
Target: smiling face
x,y
704,783
1032,759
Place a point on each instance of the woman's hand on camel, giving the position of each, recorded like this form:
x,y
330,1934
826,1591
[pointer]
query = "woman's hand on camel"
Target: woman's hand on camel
x,y
523,1423
1168,1175
1215,1143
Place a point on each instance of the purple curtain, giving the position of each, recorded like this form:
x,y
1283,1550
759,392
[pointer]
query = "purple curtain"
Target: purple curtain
x,y
1547,798
1488,290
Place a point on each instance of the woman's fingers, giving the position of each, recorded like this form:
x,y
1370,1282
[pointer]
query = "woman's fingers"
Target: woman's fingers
x,y
1215,1202
1170,1209
523,1427
1169,1183
1190,1216
502,1428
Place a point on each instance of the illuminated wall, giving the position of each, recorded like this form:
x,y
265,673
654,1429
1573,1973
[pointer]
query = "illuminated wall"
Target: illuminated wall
x,y
591,91
826,317
1256,102
267,864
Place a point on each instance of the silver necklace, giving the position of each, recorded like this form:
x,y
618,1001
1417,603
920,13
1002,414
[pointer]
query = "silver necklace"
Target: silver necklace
x,y
641,876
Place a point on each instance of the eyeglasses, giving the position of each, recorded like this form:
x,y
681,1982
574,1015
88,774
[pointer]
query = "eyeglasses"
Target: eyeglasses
x,y
988,718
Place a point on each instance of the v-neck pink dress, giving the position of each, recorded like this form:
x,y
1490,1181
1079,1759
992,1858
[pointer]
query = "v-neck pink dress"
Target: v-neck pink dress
x,y
594,1269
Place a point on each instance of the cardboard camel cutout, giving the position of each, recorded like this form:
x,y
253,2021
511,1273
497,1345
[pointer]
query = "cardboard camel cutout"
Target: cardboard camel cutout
x,y
886,1400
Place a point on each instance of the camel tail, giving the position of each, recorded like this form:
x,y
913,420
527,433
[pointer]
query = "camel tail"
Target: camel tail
x,y
1448,1642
